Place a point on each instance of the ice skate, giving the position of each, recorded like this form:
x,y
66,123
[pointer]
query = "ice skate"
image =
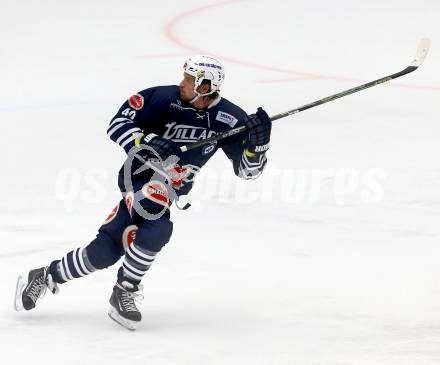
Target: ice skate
x,y
33,287
123,308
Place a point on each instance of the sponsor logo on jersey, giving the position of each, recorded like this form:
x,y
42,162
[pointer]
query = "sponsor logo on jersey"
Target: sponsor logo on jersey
x,y
129,235
136,101
177,105
186,133
112,215
226,118
157,192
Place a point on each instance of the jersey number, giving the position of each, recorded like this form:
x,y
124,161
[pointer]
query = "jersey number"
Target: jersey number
x,y
129,113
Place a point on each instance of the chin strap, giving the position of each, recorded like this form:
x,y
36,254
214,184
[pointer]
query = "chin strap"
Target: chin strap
x,y
198,95
195,98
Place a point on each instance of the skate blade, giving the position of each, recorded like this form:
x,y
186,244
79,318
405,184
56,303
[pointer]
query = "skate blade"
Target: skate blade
x,y
126,323
21,284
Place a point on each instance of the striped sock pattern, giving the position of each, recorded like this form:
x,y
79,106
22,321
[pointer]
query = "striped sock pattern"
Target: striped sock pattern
x,y
136,263
74,264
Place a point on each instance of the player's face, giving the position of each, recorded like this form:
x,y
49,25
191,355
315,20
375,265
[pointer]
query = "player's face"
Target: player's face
x,y
187,87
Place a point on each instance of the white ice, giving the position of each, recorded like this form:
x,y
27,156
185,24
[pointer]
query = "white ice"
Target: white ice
x,y
332,257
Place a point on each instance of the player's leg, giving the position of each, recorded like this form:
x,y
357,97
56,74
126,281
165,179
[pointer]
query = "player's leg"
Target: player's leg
x,y
151,237
104,251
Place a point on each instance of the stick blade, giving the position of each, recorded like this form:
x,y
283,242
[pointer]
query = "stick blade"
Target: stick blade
x,y
422,51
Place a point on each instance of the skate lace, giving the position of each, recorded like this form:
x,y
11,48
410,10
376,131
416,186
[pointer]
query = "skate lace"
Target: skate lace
x,y
130,299
38,289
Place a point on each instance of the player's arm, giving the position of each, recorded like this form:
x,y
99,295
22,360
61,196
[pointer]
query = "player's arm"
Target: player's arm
x,y
125,126
133,124
248,154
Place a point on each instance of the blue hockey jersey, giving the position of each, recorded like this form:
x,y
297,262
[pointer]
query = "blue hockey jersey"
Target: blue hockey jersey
x,y
160,110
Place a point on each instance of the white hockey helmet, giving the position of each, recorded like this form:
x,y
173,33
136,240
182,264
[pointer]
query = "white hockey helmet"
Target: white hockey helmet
x,y
205,68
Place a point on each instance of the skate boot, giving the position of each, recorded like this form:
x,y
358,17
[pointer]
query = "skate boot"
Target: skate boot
x,y
123,301
29,290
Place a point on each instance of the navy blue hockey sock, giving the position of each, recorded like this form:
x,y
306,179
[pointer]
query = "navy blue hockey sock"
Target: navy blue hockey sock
x,y
136,263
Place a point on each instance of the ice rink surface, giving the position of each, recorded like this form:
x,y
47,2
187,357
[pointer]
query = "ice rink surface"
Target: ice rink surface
x,y
332,257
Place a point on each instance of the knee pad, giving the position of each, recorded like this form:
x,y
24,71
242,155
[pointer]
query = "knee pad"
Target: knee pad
x,y
152,235
108,246
116,223
102,252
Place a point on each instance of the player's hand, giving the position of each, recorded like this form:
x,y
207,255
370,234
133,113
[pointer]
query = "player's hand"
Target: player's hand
x,y
164,148
259,127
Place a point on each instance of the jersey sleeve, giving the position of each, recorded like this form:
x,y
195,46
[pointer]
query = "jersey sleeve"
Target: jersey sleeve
x,y
136,116
246,165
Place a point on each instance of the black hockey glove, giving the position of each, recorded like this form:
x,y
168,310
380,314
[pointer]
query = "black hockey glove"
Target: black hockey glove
x,y
163,148
259,127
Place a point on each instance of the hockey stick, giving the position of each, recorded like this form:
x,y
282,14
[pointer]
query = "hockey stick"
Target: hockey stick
x,y
422,51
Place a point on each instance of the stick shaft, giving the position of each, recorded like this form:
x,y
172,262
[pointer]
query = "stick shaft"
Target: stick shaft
x,y
313,104
345,93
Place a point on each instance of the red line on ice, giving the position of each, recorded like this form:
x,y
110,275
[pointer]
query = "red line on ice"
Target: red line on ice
x,y
171,34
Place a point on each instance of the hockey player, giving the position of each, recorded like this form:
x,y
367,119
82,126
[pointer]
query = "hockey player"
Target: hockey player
x,y
152,126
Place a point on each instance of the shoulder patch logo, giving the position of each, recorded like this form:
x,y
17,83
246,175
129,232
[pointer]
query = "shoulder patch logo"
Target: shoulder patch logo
x,y
226,118
136,101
